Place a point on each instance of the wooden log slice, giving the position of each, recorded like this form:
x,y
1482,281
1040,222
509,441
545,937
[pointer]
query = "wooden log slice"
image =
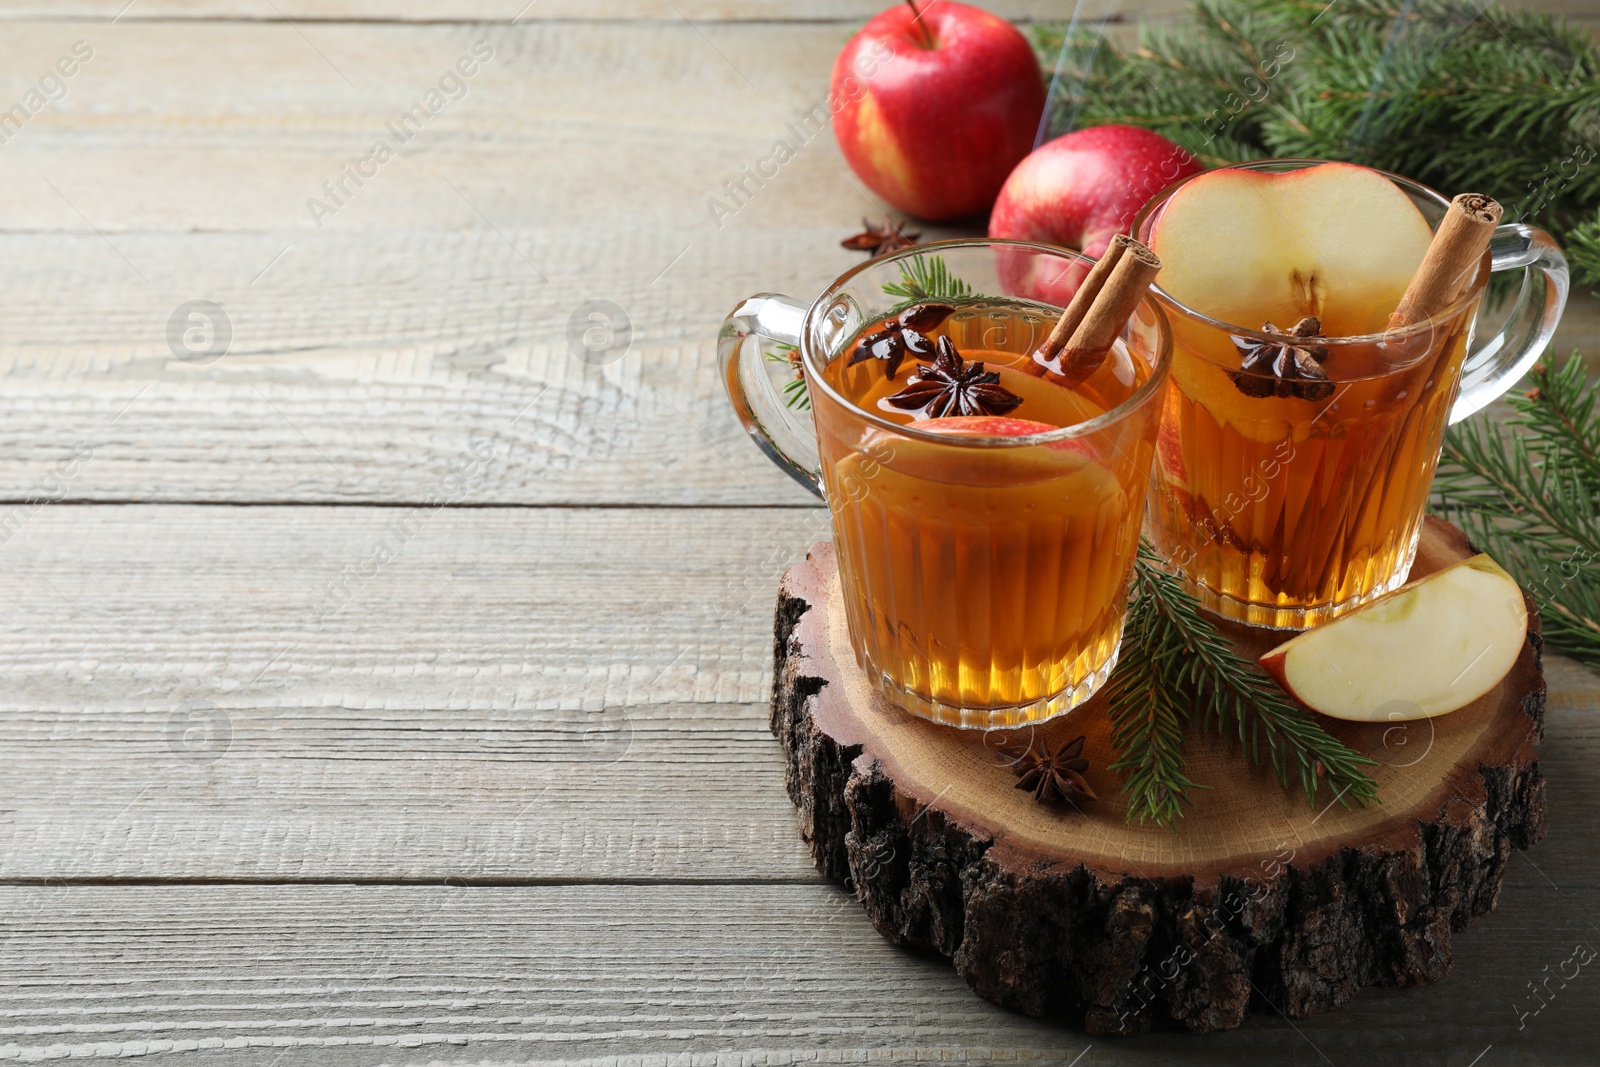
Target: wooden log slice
x,y
1257,899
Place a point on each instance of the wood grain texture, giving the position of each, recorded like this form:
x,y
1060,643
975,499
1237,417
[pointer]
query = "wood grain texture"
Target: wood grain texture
x,y
346,385
492,11
436,304
590,128
539,10
724,975
271,693
516,694
439,300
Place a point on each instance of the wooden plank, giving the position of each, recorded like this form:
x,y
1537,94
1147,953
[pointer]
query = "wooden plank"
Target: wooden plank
x,y
566,127
346,383
264,693
492,11
726,975
364,354
531,695
456,323
362,366
523,11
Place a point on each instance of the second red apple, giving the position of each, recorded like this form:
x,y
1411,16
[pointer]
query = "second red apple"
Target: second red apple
x,y
1081,189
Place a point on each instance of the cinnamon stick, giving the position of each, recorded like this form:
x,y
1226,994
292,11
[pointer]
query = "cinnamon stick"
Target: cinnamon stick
x,y
1452,257
1078,307
1124,287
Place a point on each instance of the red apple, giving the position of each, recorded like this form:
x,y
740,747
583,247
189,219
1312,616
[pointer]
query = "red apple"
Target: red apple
x,y
1078,191
934,104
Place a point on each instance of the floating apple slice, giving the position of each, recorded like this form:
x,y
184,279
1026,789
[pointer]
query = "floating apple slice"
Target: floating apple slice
x,y
1248,247
1084,474
1001,426
984,425
1435,645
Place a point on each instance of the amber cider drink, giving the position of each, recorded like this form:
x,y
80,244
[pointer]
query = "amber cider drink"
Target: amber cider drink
x,y
1288,511
985,566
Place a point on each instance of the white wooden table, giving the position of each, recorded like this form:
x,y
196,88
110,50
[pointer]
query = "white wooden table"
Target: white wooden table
x,y
300,767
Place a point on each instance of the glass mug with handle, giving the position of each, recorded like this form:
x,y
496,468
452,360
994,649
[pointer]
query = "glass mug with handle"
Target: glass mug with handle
x,y
983,561
1288,511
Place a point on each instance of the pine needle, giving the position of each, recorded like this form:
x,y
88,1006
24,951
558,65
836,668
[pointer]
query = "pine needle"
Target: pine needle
x,y
925,277
1174,660
1147,715
1583,251
1455,94
796,396
1528,493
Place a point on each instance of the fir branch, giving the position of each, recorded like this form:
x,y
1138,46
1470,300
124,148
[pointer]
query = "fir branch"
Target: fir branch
x,y
796,396
1528,494
924,277
1583,253
1174,659
921,278
1489,473
1559,412
1147,714
1502,102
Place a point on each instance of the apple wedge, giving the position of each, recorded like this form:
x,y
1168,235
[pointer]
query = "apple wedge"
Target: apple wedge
x,y
1337,241
1428,648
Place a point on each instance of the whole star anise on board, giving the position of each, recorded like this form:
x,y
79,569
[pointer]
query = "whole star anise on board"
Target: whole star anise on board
x,y
880,240
1283,367
952,386
905,334
1052,777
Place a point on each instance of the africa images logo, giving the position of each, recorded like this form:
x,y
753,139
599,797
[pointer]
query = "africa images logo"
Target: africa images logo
x,y
452,86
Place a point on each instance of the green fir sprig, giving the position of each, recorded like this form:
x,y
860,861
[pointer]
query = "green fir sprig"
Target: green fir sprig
x,y
1461,96
928,278
921,278
1176,668
1583,251
1527,491
795,395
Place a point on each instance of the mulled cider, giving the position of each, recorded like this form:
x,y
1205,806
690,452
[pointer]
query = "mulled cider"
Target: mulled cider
x,y
984,550
1300,435
1284,503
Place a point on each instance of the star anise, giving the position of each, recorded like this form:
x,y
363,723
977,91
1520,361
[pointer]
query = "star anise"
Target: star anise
x,y
952,386
907,333
1052,776
880,240
1283,367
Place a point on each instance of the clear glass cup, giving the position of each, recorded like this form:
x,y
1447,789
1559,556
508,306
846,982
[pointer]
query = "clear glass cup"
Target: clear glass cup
x,y
1287,512
984,578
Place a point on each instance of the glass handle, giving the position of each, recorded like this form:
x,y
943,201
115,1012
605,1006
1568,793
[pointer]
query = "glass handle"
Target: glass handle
x,y
785,437
1497,364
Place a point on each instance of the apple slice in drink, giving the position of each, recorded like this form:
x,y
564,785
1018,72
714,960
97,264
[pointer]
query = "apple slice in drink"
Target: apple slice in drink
x,y
1073,460
1002,426
1337,241
1431,647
